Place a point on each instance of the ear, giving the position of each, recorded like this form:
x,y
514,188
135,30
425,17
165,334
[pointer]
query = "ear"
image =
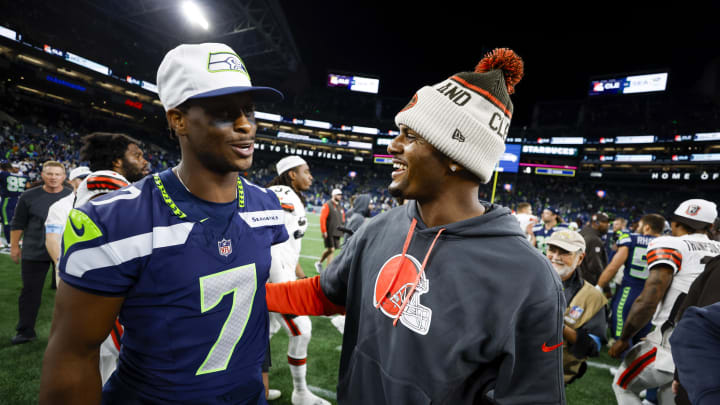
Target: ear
x,y
176,121
581,256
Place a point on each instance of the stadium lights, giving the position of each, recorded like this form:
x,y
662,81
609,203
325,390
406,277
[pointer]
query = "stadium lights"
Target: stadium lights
x,y
194,14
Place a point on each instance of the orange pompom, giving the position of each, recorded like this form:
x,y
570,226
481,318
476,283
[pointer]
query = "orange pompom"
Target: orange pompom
x,y
506,60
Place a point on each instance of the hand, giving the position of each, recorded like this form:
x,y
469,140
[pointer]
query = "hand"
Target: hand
x,y
618,348
15,253
675,387
324,234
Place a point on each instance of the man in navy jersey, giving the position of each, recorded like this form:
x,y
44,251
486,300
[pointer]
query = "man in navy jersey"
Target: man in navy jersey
x,y
550,222
12,185
182,256
632,254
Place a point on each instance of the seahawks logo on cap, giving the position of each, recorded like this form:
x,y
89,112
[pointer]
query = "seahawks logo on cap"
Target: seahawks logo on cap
x,y
224,62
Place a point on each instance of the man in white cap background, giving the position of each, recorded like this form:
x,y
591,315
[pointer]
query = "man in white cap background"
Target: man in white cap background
x,y
58,214
585,315
674,262
445,299
332,216
293,178
182,256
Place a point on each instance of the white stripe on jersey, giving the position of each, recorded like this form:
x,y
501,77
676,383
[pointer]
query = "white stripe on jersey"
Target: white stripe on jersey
x,y
133,192
121,251
257,219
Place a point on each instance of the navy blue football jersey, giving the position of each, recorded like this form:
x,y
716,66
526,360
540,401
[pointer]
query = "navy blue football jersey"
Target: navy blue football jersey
x,y
542,234
636,271
12,184
193,276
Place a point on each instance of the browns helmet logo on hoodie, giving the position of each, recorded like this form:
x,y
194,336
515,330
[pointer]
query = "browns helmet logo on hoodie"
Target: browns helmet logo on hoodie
x,y
394,283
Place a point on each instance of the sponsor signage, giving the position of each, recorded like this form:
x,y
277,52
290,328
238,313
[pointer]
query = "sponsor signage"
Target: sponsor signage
x,y
685,176
630,84
550,150
510,159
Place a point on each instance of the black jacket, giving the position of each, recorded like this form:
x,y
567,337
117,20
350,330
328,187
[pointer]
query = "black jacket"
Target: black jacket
x,y
595,255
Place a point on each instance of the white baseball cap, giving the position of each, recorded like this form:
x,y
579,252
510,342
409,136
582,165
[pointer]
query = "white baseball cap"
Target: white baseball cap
x,y
205,70
696,213
336,192
99,182
79,172
289,162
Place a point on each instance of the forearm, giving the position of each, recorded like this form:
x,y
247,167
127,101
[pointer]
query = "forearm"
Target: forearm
x,y
300,297
569,335
52,244
70,377
15,236
612,268
640,314
299,273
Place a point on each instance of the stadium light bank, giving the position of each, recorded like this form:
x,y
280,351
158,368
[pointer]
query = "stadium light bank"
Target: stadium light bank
x,y
194,14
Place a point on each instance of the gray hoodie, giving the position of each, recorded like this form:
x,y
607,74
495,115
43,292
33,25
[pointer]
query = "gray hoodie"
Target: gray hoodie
x,y
483,321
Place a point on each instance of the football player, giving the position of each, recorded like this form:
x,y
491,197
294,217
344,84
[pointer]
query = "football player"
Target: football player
x,y
182,256
631,255
293,178
12,185
551,222
674,262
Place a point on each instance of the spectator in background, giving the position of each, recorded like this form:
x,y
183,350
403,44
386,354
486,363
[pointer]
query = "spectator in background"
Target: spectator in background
x,y
361,208
332,217
28,224
58,214
595,254
585,315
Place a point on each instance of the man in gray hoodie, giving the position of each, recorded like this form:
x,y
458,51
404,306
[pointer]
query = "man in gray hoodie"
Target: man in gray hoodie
x,y
445,299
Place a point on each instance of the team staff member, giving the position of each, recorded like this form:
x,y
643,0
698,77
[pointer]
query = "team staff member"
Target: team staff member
x,y
332,216
585,316
293,178
674,263
179,255
28,224
632,254
595,254
445,299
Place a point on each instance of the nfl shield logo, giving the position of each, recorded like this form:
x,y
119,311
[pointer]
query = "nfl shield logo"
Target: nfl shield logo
x,y
575,312
225,247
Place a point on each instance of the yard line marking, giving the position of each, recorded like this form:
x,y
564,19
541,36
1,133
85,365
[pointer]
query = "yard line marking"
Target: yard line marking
x,y
600,365
310,257
323,392
315,239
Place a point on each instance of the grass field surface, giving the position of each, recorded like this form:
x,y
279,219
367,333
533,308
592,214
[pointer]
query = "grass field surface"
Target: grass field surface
x,y
21,364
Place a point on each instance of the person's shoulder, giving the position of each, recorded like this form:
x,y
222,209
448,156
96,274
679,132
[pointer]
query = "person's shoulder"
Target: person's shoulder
x,y
256,197
665,241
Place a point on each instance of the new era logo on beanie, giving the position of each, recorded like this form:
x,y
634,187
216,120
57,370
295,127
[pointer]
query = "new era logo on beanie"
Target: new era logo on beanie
x,y
467,116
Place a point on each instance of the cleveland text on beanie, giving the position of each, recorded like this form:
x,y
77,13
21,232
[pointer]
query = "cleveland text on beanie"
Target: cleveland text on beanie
x,y
467,116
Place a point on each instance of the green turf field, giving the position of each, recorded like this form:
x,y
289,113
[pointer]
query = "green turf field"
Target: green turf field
x,y
20,371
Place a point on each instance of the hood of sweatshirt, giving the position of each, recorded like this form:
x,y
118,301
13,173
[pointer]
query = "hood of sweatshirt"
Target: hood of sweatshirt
x,y
362,205
496,221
